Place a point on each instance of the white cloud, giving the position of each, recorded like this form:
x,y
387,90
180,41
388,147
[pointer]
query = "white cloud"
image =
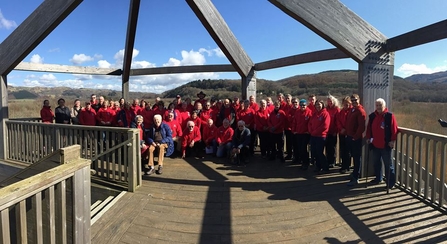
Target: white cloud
x,y
97,56
5,23
54,50
80,58
141,64
216,51
103,64
50,80
36,59
411,69
188,58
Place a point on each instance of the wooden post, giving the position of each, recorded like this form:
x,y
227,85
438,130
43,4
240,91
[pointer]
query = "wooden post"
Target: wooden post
x,y
249,85
81,206
376,73
4,115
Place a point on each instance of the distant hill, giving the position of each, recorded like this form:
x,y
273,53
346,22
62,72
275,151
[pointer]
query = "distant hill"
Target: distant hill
x,y
339,83
438,77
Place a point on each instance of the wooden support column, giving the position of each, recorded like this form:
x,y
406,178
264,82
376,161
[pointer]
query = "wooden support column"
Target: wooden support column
x,y
376,73
4,115
130,41
249,85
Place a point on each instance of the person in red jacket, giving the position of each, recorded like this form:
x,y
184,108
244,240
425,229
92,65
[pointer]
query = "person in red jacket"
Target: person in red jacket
x,y
311,102
318,128
176,129
286,106
355,126
148,115
276,122
104,116
381,135
224,136
46,114
87,115
184,115
195,118
333,109
247,115
236,104
340,120
201,97
205,114
300,130
209,136
262,128
191,141
253,104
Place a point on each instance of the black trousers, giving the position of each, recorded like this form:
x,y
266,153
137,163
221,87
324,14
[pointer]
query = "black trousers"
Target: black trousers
x,y
300,148
277,145
331,147
264,142
289,142
345,156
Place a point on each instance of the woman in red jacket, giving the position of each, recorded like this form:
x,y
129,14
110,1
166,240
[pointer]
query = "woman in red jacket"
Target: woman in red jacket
x,y
262,127
276,122
318,129
46,114
333,109
340,121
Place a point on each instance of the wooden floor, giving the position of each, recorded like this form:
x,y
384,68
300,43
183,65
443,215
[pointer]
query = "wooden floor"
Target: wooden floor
x,y
207,201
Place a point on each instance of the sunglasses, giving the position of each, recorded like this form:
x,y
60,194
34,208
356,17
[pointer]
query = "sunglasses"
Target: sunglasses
x,y
191,126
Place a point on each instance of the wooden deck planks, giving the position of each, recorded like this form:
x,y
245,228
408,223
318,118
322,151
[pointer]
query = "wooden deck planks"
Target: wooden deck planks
x,y
207,202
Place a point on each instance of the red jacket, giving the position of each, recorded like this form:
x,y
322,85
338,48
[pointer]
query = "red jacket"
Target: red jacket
x,y
175,128
135,109
106,116
189,136
300,124
277,121
355,122
261,120
254,106
376,129
184,115
319,123
209,134
87,117
46,114
224,135
248,116
176,114
340,121
290,115
115,111
333,111
312,108
148,117
205,114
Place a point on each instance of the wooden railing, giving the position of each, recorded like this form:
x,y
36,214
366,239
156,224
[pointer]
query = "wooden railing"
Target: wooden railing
x,y
115,152
50,207
420,159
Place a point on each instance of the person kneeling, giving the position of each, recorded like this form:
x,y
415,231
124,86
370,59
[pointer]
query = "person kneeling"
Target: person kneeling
x,y
241,144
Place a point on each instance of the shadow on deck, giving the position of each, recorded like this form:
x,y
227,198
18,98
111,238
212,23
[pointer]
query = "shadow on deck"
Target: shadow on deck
x,y
208,201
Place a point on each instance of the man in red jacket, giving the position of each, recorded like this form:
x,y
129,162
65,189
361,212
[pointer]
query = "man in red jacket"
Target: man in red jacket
x,y
46,114
209,136
191,140
355,126
300,130
87,116
247,115
381,135
276,122
224,136
341,128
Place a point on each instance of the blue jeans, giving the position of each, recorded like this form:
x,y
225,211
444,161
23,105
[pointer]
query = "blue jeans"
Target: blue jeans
x,y
224,149
355,148
317,147
379,154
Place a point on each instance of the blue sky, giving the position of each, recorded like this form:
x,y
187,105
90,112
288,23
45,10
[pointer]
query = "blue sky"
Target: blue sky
x,y
169,34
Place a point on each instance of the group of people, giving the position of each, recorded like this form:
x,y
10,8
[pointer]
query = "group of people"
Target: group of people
x,y
232,128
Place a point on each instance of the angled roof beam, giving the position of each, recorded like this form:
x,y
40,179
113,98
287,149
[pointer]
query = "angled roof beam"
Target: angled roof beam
x,y
183,69
417,37
323,55
57,68
32,31
334,22
222,35
134,9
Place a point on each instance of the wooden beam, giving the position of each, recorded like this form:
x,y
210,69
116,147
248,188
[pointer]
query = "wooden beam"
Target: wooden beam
x,y
32,31
334,22
134,9
222,35
56,68
4,115
183,69
417,37
323,55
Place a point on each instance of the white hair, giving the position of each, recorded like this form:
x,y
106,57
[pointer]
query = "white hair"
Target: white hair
x,y
241,122
334,100
157,116
138,117
381,101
